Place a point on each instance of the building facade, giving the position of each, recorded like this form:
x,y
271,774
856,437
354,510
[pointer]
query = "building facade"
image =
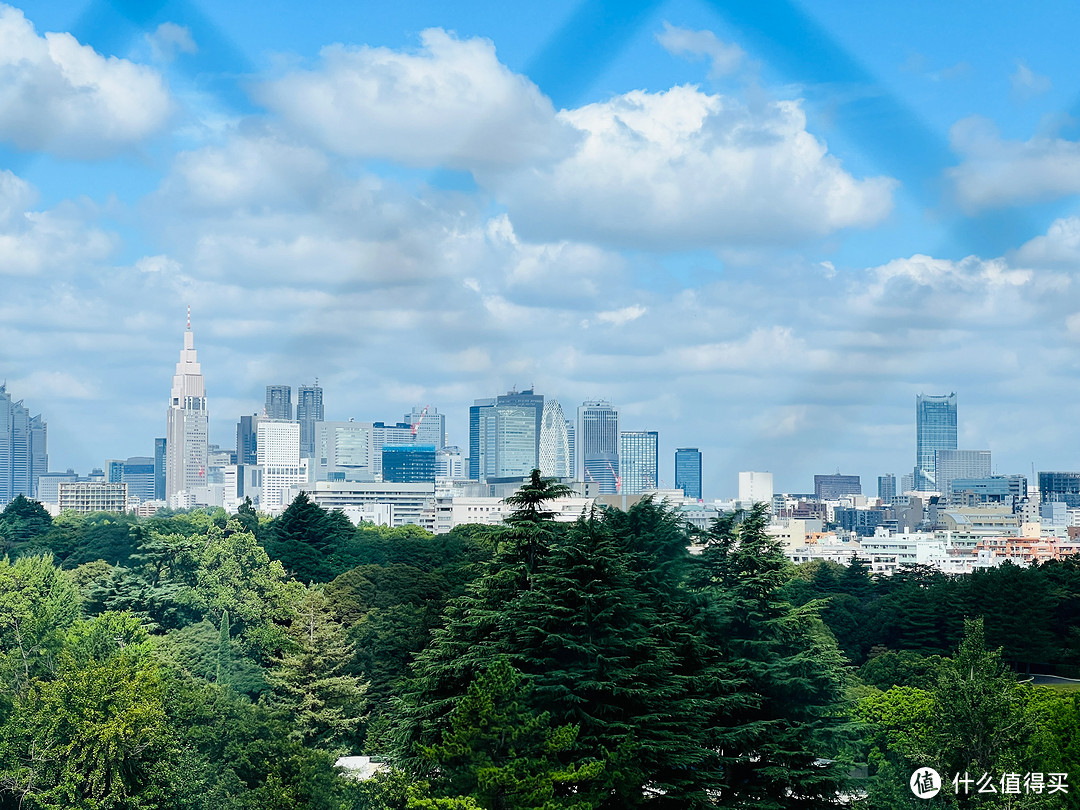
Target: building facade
x,y
935,429
1060,486
836,486
639,461
430,426
309,412
688,471
596,445
280,462
187,426
92,496
24,456
411,464
555,459
278,402
886,487
950,464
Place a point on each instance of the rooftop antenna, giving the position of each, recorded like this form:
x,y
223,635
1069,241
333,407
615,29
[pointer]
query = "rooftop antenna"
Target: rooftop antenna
x,y
189,317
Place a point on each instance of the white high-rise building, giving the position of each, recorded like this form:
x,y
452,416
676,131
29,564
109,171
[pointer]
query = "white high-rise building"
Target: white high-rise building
x,y
556,459
755,487
187,426
279,458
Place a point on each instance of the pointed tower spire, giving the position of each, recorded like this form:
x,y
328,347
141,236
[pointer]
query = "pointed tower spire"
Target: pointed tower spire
x,y
189,317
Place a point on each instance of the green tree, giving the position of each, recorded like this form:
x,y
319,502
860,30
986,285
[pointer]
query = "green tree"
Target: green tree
x,y
498,753
785,710
37,604
22,521
309,679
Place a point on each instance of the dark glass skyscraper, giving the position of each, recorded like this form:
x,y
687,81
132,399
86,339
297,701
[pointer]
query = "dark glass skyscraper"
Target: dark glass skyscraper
x,y
309,410
279,402
688,471
935,429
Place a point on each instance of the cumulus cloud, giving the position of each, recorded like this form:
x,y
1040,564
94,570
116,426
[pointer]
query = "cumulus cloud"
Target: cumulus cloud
x,y
169,40
724,58
449,103
996,172
1058,247
1026,83
683,169
34,241
59,96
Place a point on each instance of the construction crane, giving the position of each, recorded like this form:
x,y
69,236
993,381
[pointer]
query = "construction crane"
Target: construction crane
x,y
416,426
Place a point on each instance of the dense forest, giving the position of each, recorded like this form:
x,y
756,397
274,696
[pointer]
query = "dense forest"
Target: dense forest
x,y
205,660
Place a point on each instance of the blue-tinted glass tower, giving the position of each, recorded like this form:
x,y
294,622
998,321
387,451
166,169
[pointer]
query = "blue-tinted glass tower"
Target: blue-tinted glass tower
x,y
935,429
688,471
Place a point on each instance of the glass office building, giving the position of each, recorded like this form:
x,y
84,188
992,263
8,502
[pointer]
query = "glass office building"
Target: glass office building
x,y
688,471
935,429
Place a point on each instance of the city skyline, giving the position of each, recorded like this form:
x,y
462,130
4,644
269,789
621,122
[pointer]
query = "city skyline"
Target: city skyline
x,y
820,255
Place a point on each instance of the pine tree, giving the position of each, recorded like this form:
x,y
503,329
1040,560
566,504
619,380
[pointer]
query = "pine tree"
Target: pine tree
x,y
783,716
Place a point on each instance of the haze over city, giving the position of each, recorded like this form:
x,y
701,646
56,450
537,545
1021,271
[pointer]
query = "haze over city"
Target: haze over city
x,y
759,237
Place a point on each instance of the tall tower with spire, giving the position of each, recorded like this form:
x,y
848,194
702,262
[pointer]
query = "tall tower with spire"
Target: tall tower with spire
x,y
187,425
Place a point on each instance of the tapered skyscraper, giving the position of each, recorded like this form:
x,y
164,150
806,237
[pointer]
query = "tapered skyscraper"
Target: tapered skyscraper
x,y
187,424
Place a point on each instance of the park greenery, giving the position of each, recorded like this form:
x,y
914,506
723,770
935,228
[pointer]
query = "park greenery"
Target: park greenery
x,y
199,659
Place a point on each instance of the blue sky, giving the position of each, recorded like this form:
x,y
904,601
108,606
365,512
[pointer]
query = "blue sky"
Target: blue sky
x,y
759,228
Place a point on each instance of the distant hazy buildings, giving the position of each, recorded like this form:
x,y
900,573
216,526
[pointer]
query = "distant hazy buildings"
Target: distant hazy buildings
x,y
950,464
280,461
186,426
688,471
596,445
935,429
344,451
429,426
556,457
639,461
138,472
279,402
886,487
1060,486
507,441
836,486
159,469
755,487
24,453
247,439
309,411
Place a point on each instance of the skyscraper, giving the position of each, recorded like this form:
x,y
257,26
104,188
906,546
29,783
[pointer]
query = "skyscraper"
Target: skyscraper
x,y
639,460
688,471
159,469
23,451
935,429
430,426
507,442
279,402
309,410
521,404
596,445
476,411
950,464
187,424
247,439
555,456
279,458
886,487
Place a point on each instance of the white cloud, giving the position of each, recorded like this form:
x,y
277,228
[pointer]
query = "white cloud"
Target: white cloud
x,y
1026,83
450,103
43,386
621,317
682,169
169,40
34,241
997,173
1058,247
724,58
62,97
